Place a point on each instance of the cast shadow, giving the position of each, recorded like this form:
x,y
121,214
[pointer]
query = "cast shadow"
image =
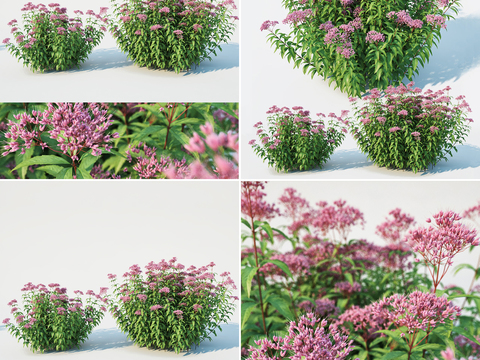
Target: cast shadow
x,y
225,339
3,47
228,58
104,59
101,339
468,156
340,160
458,52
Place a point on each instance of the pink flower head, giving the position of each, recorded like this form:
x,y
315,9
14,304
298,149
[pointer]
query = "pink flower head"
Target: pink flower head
x,y
142,297
156,27
165,10
268,25
309,339
6,321
374,37
142,17
138,32
438,244
6,41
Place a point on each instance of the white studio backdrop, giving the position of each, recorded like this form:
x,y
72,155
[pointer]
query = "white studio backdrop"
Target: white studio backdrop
x,y
109,76
268,80
76,234
420,199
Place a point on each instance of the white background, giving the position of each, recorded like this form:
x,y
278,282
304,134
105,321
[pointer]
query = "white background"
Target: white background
x,y
108,76
420,199
268,80
77,233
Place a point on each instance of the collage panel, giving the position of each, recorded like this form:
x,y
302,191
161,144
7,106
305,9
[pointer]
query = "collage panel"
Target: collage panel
x,y
98,270
114,50
119,140
314,56
360,270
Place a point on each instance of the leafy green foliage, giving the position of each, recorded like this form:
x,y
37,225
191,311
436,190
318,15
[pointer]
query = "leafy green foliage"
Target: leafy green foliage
x,y
169,308
293,141
51,320
165,127
52,40
330,38
410,130
170,34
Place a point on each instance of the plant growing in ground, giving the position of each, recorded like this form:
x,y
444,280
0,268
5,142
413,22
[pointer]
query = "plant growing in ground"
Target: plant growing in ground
x,y
360,44
409,129
170,307
51,320
142,140
292,140
52,40
172,34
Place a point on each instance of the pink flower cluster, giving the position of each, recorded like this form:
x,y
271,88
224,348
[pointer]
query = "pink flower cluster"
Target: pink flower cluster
x,y
403,18
394,230
253,204
76,127
309,339
323,307
341,36
417,311
374,37
149,167
297,17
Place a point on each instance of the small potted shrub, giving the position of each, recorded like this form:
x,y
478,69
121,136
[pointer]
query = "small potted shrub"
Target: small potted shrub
x,y
51,320
408,128
52,40
172,34
170,307
291,140
360,44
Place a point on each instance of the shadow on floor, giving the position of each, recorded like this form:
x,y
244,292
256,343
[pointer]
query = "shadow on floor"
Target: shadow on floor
x,y
458,52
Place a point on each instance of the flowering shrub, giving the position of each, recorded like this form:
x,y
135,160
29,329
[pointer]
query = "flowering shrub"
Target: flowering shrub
x,y
119,140
377,302
360,44
170,307
409,129
51,320
291,140
172,34
52,40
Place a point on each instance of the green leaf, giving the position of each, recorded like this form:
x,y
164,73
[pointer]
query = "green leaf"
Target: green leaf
x,y
247,276
43,160
66,173
87,162
465,333
51,169
148,131
180,136
284,267
246,223
247,308
188,121
395,355
83,174
281,305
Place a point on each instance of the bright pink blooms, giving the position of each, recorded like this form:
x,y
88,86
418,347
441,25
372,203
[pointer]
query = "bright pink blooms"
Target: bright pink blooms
x,y
417,311
268,25
297,17
438,244
309,339
374,37
76,127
